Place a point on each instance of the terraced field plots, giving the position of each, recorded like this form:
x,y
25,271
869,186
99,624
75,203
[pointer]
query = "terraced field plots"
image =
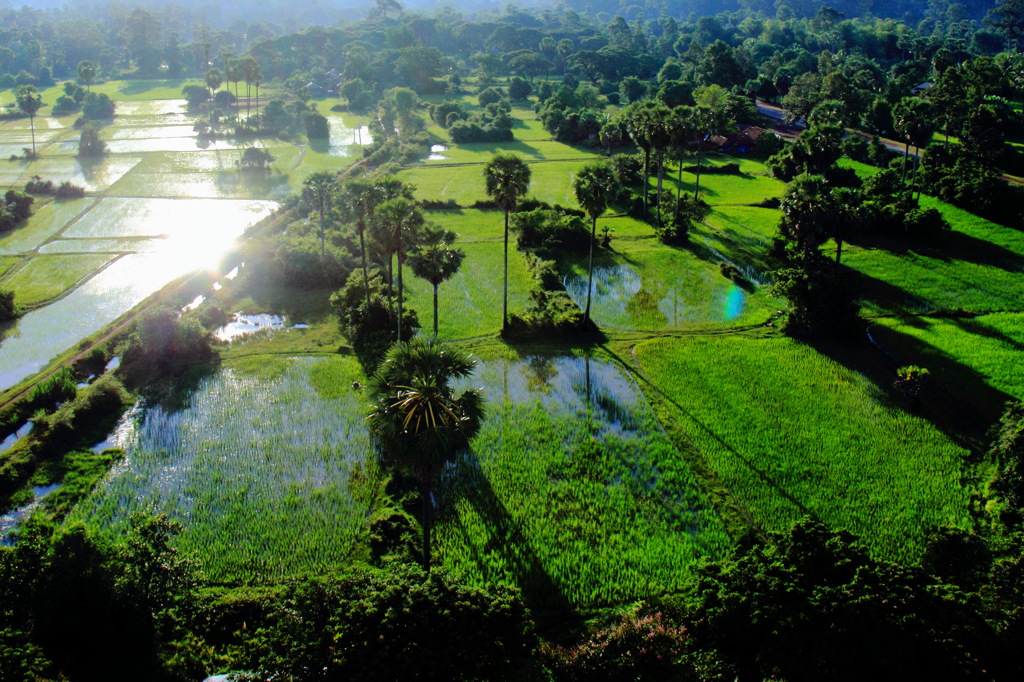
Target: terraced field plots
x,y
159,205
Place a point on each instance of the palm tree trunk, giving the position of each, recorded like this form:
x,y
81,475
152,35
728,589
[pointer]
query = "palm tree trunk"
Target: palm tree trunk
x,y
679,188
32,125
906,155
590,269
391,283
647,176
661,177
366,276
504,300
257,106
400,295
323,248
435,308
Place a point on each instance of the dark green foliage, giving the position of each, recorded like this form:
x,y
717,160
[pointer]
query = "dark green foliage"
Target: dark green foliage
x,y
97,106
679,216
519,88
8,308
73,608
447,113
83,421
549,230
398,624
66,189
370,330
196,95
971,185
571,115
90,143
822,301
639,647
550,314
812,605
317,126
163,345
15,207
1007,452
491,125
256,159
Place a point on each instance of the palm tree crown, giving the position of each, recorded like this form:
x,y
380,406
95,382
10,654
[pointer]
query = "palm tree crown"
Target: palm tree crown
x,y
416,420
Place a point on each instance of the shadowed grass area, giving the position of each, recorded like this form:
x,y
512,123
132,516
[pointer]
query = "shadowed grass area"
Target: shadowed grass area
x,y
572,492
754,409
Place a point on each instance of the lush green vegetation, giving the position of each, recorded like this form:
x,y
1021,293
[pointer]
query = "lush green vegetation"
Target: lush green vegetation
x,y
831,445
572,492
616,460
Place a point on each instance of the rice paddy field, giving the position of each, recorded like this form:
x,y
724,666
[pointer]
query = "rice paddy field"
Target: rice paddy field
x,y
158,205
265,464
791,433
603,473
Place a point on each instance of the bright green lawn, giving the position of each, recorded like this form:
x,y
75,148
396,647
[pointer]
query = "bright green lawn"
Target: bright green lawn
x,y
550,182
469,304
791,432
7,262
45,277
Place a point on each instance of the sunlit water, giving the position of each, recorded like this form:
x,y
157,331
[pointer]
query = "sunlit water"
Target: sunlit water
x,y
193,235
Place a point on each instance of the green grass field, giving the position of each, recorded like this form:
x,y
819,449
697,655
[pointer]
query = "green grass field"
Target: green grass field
x,y
793,433
46,277
572,492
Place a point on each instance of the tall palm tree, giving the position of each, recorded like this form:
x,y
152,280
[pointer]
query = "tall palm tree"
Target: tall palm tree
x,y
249,71
436,261
233,74
417,421
318,191
213,80
398,223
913,118
638,123
30,102
506,179
86,71
594,186
682,130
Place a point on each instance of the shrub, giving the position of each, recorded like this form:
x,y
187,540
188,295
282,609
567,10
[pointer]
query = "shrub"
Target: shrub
x,y
549,230
549,314
677,219
97,106
8,308
162,345
637,648
370,330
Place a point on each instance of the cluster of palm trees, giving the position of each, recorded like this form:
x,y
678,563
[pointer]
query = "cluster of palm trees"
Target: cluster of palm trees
x,y
659,130
392,230
245,69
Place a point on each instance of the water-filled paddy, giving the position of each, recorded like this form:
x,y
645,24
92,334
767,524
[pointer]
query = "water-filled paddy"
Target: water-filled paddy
x,y
631,297
259,466
572,491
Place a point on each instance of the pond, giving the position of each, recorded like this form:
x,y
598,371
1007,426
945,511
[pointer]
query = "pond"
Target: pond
x,y
9,521
624,296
